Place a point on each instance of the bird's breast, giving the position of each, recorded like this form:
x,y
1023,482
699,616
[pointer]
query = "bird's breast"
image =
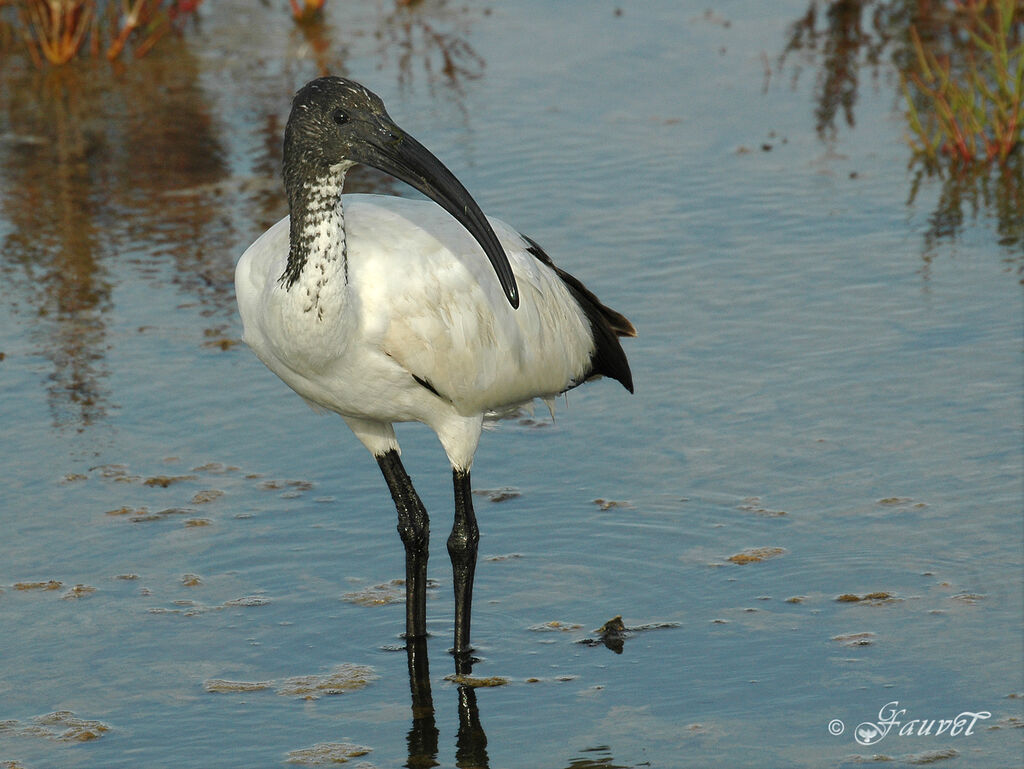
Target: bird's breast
x,y
420,321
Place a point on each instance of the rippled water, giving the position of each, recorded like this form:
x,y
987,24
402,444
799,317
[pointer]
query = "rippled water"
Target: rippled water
x,y
823,383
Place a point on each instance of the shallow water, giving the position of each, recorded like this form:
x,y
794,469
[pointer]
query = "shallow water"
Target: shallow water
x,y
818,376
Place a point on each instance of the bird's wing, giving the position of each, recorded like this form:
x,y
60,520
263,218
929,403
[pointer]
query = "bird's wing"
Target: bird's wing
x,y
430,300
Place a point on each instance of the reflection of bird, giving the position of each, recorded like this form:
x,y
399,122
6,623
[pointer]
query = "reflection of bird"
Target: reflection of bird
x,y
386,310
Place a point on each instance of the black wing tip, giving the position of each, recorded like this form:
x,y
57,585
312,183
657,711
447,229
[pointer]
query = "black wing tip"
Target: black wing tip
x,y
610,360
620,324
606,325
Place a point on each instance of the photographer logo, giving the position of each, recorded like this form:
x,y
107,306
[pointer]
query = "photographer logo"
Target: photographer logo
x,y
892,720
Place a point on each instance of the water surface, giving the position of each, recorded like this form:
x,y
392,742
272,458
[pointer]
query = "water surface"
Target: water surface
x,y
820,380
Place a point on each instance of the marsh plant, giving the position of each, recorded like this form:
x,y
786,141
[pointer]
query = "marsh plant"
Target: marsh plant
x,y
308,11
56,31
965,101
964,90
960,67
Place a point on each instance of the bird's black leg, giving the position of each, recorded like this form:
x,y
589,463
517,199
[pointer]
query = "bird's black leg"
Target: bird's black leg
x,y
414,528
462,545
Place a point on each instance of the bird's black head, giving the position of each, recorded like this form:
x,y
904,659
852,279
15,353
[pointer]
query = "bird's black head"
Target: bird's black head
x,y
336,123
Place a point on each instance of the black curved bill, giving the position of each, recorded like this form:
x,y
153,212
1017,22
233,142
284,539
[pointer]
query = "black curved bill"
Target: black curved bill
x,y
406,159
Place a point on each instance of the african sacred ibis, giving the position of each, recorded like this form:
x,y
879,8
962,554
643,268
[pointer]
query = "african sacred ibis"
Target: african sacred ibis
x,y
386,310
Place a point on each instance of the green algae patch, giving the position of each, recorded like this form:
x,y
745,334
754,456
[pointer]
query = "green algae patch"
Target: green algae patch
x,y
60,725
378,595
163,481
78,591
48,585
555,626
206,496
342,679
327,753
223,686
756,555
855,639
877,597
476,682
503,494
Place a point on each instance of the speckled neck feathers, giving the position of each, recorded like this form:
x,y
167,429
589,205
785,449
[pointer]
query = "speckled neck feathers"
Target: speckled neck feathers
x,y
317,252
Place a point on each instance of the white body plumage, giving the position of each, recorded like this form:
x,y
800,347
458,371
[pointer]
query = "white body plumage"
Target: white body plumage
x,y
398,317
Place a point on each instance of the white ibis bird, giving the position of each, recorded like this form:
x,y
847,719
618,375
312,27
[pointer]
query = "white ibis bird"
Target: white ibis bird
x,y
386,310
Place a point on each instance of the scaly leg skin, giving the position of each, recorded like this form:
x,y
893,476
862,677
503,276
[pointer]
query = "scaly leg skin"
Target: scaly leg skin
x,y
414,529
462,547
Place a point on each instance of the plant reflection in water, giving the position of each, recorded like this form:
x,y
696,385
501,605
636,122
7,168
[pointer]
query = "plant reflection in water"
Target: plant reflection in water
x,y
841,39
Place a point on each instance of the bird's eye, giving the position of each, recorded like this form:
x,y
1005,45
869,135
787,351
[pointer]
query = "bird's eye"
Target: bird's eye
x,y
339,116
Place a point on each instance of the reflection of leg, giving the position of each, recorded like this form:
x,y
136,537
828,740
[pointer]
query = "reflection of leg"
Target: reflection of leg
x,y
423,735
414,528
471,744
462,546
